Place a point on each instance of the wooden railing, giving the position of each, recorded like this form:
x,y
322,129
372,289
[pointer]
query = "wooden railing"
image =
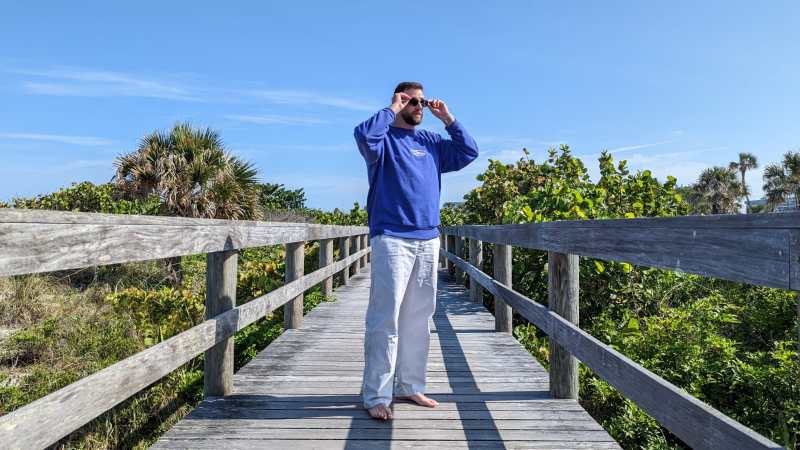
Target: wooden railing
x,y
762,249
42,241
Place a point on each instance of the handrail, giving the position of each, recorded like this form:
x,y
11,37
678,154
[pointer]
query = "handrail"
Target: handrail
x,y
763,250
759,250
34,241
38,241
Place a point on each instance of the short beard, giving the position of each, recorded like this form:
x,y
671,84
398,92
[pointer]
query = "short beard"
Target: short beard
x,y
409,119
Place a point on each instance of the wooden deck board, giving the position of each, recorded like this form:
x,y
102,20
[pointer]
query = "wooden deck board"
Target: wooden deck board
x,y
302,391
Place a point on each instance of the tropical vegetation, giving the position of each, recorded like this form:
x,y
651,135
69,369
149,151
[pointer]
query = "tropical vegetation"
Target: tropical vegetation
x,y
733,346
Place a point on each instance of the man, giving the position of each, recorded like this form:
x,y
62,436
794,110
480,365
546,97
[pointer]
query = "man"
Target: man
x,y
404,165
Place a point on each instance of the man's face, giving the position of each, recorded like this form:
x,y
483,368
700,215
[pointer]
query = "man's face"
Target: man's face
x,y
411,114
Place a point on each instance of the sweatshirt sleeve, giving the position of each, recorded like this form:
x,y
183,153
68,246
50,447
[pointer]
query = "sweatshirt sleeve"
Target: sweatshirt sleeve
x,y
457,152
370,135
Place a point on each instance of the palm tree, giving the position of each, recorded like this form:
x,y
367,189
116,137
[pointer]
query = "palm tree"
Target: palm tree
x,y
783,180
192,173
719,189
747,161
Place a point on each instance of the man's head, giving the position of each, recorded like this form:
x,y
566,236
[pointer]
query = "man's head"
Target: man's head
x,y
413,112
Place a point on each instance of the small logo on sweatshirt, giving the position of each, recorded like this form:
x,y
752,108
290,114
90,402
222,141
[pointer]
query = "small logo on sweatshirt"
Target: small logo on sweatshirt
x,y
418,153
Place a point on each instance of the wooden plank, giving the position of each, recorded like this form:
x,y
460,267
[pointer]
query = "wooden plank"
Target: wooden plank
x,y
694,422
364,422
40,241
295,264
451,247
234,443
303,390
221,278
712,246
733,221
459,246
228,410
502,259
325,259
476,259
562,294
395,433
330,403
344,253
43,422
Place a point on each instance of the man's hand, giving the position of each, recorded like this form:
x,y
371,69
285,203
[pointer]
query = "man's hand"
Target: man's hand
x,y
439,109
399,101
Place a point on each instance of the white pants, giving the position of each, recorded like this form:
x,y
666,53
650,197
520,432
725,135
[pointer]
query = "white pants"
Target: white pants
x,y
402,299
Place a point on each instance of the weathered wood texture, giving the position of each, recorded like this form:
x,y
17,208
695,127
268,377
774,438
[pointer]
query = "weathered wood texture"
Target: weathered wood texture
x,y
303,390
736,247
696,423
344,253
44,421
362,263
295,265
451,246
355,246
221,270
502,262
476,259
41,241
459,246
562,298
326,258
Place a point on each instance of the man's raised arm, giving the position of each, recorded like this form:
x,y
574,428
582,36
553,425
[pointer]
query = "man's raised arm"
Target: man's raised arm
x,y
370,133
458,151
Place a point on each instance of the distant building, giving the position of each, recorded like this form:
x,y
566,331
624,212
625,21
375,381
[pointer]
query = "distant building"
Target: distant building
x,y
452,204
787,206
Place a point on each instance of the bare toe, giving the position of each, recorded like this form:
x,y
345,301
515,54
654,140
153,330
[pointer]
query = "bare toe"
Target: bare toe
x,y
380,412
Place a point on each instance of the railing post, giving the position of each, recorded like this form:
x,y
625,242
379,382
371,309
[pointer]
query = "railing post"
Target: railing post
x,y
220,297
476,259
326,259
295,262
344,252
442,262
369,255
502,262
354,248
562,294
362,262
450,240
459,274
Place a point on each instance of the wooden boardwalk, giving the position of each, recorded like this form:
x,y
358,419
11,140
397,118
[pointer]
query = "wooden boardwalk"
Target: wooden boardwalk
x,y
301,392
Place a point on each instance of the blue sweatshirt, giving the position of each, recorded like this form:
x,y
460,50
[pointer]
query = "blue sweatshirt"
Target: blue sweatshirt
x,y
404,168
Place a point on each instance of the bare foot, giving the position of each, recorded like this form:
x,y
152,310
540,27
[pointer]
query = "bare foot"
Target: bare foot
x,y
380,412
422,400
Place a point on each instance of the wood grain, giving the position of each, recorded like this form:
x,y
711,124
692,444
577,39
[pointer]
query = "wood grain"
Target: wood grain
x,y
43,422
730,248
492,393
40,241
696,423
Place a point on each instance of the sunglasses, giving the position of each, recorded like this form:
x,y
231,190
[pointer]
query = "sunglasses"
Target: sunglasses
x,y
418,101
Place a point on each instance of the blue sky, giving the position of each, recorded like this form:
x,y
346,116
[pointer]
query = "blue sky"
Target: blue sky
x,y
671,86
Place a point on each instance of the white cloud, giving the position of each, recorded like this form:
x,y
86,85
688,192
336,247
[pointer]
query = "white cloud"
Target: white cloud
x,y
637,146
89,141
292,97
95,83
515,142
81,82
273,119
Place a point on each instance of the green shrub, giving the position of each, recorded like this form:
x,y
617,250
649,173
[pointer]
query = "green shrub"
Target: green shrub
x,y
159,314
88,197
